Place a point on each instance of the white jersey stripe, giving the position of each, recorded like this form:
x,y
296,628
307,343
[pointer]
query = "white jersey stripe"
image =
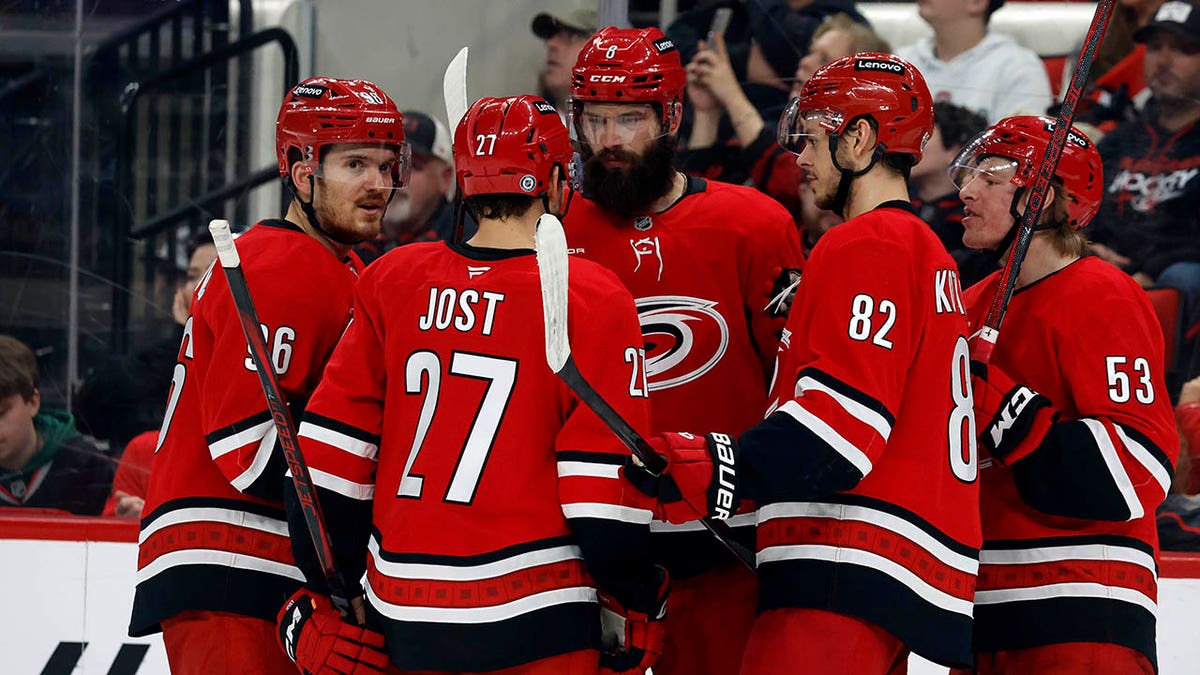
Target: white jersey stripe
x,y
206,556
1143,456
855,409
262,455
337,439
1103,552
624,514
874,561
346,488
567,469
1068,590
232,442
490,570
477,615
826,433
215,515
876,517
740,520
1109,452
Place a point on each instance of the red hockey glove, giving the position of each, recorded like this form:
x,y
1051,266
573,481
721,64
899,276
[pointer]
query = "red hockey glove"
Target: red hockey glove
x,y
700,479
313,634
630,641
1012,419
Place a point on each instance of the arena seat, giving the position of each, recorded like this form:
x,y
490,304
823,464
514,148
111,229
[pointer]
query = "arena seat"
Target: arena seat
x,y
1166,302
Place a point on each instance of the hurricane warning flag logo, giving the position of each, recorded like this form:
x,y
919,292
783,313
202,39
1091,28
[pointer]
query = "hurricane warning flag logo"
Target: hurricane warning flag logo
x,y
685,338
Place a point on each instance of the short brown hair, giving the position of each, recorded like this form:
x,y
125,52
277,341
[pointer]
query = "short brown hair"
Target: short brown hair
x,y
18,368
863,38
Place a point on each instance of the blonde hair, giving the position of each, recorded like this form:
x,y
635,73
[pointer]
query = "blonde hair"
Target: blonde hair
x,y
1068,241
862,37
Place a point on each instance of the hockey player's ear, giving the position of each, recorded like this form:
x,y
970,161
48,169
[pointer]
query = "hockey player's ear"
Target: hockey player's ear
x,y
861,138
555,190
300,174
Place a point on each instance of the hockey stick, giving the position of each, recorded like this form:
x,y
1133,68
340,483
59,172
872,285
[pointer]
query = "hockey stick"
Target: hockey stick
x,y
981,349
228,255
454,94
550,243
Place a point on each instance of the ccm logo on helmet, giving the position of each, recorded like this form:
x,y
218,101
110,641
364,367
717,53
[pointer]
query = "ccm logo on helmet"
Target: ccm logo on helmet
x,y
310,91
606,78
872,64
381,120
544,107
664,45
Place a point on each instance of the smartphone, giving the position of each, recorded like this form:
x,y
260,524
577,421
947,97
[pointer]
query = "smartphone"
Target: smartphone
x,y
720,23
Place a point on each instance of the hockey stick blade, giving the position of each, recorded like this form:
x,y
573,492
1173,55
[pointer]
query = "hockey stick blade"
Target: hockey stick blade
x,y
550,245
981,349
227,254
454,89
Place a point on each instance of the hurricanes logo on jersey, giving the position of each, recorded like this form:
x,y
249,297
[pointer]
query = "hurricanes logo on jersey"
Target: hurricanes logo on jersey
x,y
685,338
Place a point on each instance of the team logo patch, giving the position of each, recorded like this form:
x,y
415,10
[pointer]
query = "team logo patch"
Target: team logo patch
x,y
528,183
685,338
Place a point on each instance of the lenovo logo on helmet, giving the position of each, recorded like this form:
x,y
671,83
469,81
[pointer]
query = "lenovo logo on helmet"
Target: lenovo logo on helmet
x,y
606,78
1072,137
664,45
310,91
381,120
877,65
544,107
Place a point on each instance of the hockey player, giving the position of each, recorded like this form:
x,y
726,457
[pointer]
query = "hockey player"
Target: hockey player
x,y
864,474
1074,413
703,260
214,561
480,496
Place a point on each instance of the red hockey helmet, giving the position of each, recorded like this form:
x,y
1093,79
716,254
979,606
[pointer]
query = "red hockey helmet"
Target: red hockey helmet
x,y
629,65
1021,142
883,86
509,146
323,111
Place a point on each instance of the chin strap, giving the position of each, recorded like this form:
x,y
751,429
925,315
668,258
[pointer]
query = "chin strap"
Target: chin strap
x,y
848,176
997,254
311,213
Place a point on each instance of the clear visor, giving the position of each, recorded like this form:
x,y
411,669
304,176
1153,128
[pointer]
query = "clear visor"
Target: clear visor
x,y
607,125
798,125
989,170
374,168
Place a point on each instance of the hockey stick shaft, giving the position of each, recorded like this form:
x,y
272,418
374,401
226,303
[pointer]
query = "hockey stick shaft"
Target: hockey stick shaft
x,y
981,349
551,247
280,416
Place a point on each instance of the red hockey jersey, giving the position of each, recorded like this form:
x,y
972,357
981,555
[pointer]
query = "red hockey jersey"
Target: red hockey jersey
x,y
865,472
492,492
1070,544
702,273
214,535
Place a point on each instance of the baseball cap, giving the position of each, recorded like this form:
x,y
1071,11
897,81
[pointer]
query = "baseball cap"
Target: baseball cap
x,y
427,136
1177,16
580,19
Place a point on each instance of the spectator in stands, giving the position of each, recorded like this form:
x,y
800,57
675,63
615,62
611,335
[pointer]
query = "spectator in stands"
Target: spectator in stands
x,y
971,67
44,462
133,477
1149,223
564,35
1187,416
755,157
1116,90
420,211
127,394
934,195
